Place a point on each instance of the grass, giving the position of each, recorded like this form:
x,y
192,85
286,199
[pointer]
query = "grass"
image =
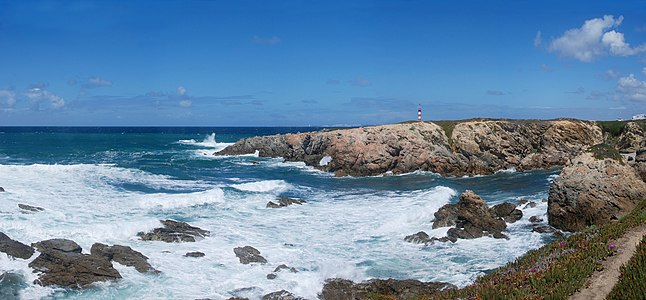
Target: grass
x,y
556,270
632,282
602,151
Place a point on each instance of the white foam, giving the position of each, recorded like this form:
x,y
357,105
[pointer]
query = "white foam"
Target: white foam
x,y
263,186
325,160
207,142
181,200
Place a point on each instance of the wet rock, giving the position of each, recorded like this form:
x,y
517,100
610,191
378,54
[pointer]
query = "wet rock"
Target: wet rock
x,y
238,298
530,204
194,254
285,267
284,201
522,202
174,232
248,254
1,189
535,219
123,255
271,276
14,248
281,295
30,208
61,263
423,238
547,229
593,190
474,218
446,216
507,211
342,289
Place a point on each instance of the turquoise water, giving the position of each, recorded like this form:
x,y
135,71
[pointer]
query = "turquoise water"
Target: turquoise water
x,y
106,184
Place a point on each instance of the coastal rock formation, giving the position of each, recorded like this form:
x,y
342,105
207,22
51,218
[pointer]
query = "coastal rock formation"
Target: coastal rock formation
x,y
123,255
61,263
248,254
640,164
632,138
474,147
507,211
281,295
284,201
174,232
342,289
593,190
472,218
14,248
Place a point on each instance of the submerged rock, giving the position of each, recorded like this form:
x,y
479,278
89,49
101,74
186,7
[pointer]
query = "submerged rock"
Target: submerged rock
x,y
174,232
14,248
593,190
194,254
343,289
248,254
284,201
30,208
61,263
285,267
123,255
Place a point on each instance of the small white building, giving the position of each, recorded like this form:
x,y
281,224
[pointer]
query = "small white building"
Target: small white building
x,y
639,117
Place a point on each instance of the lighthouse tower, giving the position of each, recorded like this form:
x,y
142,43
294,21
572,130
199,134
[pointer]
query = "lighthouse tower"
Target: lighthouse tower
x,y
419,112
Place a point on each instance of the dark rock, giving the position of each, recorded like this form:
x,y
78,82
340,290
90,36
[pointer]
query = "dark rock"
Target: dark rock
x,y
531,204
507,211
194,254
123,255
547,229
342,289
174,232
14,248
248,254
591,191
281,295
61,245
284,201
62,264
446,216
522,201
285,267
238,298
30,208
1,189
474,218
535,219
271,276
544,200
418,238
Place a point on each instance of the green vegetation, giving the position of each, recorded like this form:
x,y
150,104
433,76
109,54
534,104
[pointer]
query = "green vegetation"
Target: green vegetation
x,y
615,128
559,269
602,151
448,127
632,282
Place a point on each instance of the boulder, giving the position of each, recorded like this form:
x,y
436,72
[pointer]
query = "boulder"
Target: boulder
x,y
342,289
14,248
194,254
535,219
30,208
61,263
281,295
547,229
285,267
446,216
423,238
1,189
174,232
530,204
284,201
248,254
507,211
595,188
123,255
474,218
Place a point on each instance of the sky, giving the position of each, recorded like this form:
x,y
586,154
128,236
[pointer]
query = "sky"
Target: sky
x,y
317,63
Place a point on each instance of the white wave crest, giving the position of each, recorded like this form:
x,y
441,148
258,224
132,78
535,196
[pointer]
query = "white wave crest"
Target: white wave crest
x,y
166,201
264,186
208,142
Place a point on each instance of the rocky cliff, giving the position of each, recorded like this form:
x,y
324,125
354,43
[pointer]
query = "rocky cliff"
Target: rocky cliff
x,y
473,147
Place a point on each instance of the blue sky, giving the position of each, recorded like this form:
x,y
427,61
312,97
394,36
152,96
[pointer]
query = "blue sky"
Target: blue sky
x,y
299,63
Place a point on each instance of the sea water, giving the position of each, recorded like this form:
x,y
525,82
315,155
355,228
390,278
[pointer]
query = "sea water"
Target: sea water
x,y
107,184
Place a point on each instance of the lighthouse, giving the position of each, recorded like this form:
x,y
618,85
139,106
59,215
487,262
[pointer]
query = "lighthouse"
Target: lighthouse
x,y
419,112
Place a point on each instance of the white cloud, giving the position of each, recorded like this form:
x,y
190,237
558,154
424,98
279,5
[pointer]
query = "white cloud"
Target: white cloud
x,y
593,40
39,94
611,74
185,103
538,39
631,88
181,91
9,97
95,82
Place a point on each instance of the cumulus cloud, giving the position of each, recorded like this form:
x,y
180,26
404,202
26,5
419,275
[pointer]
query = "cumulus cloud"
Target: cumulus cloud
x,y
38,94
8,97
269,41
594,39
631,88
96,82
538,39
181,91
611,74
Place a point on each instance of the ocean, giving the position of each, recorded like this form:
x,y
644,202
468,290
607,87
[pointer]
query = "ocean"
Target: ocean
x,y
107,184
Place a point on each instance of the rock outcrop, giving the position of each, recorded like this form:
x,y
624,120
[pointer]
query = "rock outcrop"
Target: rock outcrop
x,y
174,232
61,263
123,255
342,289
507,211
15,248
593,190
472,218
284,201
632,138
248,254
474,147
